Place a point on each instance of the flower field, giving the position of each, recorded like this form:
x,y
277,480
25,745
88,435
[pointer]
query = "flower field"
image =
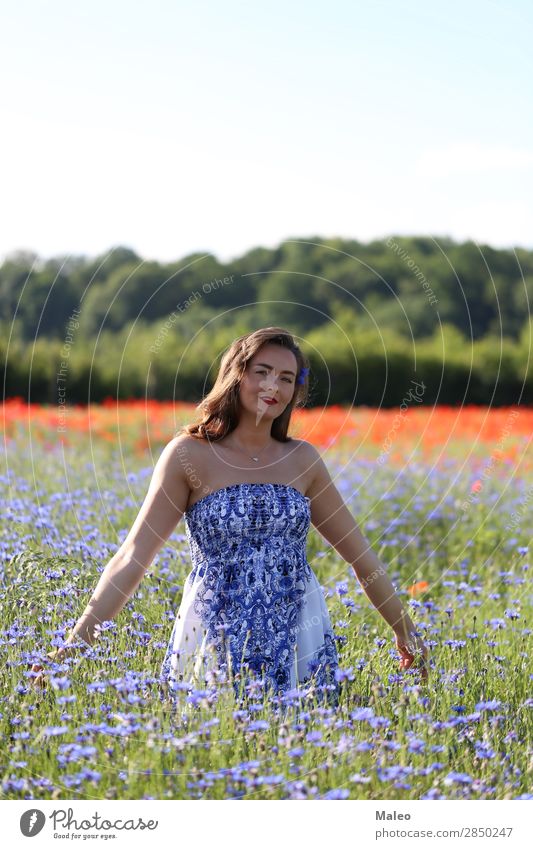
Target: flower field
x,y
445,496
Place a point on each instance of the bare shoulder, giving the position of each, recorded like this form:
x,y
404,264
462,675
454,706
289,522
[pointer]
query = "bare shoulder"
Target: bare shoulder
x,y
181,452
312,464
185,442
307,451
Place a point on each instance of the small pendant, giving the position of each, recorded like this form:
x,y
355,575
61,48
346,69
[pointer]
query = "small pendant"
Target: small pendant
x,y
255,458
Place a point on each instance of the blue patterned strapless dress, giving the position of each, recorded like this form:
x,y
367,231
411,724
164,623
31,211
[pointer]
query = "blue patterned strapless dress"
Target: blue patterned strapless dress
x,y
252,603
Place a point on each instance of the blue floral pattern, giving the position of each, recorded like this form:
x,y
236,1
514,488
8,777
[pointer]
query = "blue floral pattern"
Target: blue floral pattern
x,y
253,589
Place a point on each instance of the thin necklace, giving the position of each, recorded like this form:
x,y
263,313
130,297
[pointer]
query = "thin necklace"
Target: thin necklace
x,y
256,458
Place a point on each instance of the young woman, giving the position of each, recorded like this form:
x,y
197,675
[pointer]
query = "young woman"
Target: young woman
x,y
251,604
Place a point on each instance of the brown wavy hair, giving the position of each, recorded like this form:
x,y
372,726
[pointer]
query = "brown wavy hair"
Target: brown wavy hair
x,y
219,410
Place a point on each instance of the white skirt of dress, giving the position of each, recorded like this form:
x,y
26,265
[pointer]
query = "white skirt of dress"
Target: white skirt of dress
x,y
191,657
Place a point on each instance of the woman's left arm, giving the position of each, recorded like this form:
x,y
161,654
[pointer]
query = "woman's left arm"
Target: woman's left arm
x,y
333,520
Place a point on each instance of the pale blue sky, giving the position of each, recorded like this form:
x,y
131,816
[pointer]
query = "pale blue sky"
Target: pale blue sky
x,y
173,127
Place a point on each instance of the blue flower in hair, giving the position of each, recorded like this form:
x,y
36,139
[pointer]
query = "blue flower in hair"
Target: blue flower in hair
x,y
301,377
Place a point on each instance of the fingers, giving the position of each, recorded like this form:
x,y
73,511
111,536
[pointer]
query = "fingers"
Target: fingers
x,y
420,659
39,681
422,669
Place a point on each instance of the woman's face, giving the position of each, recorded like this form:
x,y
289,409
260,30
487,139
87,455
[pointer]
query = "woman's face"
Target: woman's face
x,y
270,374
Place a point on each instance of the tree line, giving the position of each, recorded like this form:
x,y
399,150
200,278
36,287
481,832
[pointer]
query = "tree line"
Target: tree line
x,y
371,317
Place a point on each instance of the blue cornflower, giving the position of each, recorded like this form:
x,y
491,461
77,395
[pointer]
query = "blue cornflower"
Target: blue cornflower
x,y
362,714
97,686
87,774
60,683
294,693
270,779
359,778
297,752
458,778
379,722
364,746
302,375
240,714
258,725
433,793
13,784
313,736
390,773
474,717
344,674
196,696
455,644
484,751
297,790
490,705
338,793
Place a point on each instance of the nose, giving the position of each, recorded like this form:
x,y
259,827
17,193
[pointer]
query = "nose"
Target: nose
x,y
271,386
270,382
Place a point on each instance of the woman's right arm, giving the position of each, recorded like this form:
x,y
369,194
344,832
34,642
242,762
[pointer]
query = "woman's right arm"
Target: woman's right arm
x,y
162,509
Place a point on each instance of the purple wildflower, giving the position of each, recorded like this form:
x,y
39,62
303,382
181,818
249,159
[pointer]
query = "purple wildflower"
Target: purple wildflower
x,y
337,793
457,778
313,736
491,705
258,725
344,674
362,714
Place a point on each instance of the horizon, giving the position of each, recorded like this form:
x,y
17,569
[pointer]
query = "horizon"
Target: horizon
x,y
42,260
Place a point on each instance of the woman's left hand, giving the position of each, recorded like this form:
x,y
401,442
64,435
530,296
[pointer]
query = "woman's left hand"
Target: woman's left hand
x,y
412,649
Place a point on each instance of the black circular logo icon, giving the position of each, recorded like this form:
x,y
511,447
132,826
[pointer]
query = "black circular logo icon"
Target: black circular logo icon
x,y
32,822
